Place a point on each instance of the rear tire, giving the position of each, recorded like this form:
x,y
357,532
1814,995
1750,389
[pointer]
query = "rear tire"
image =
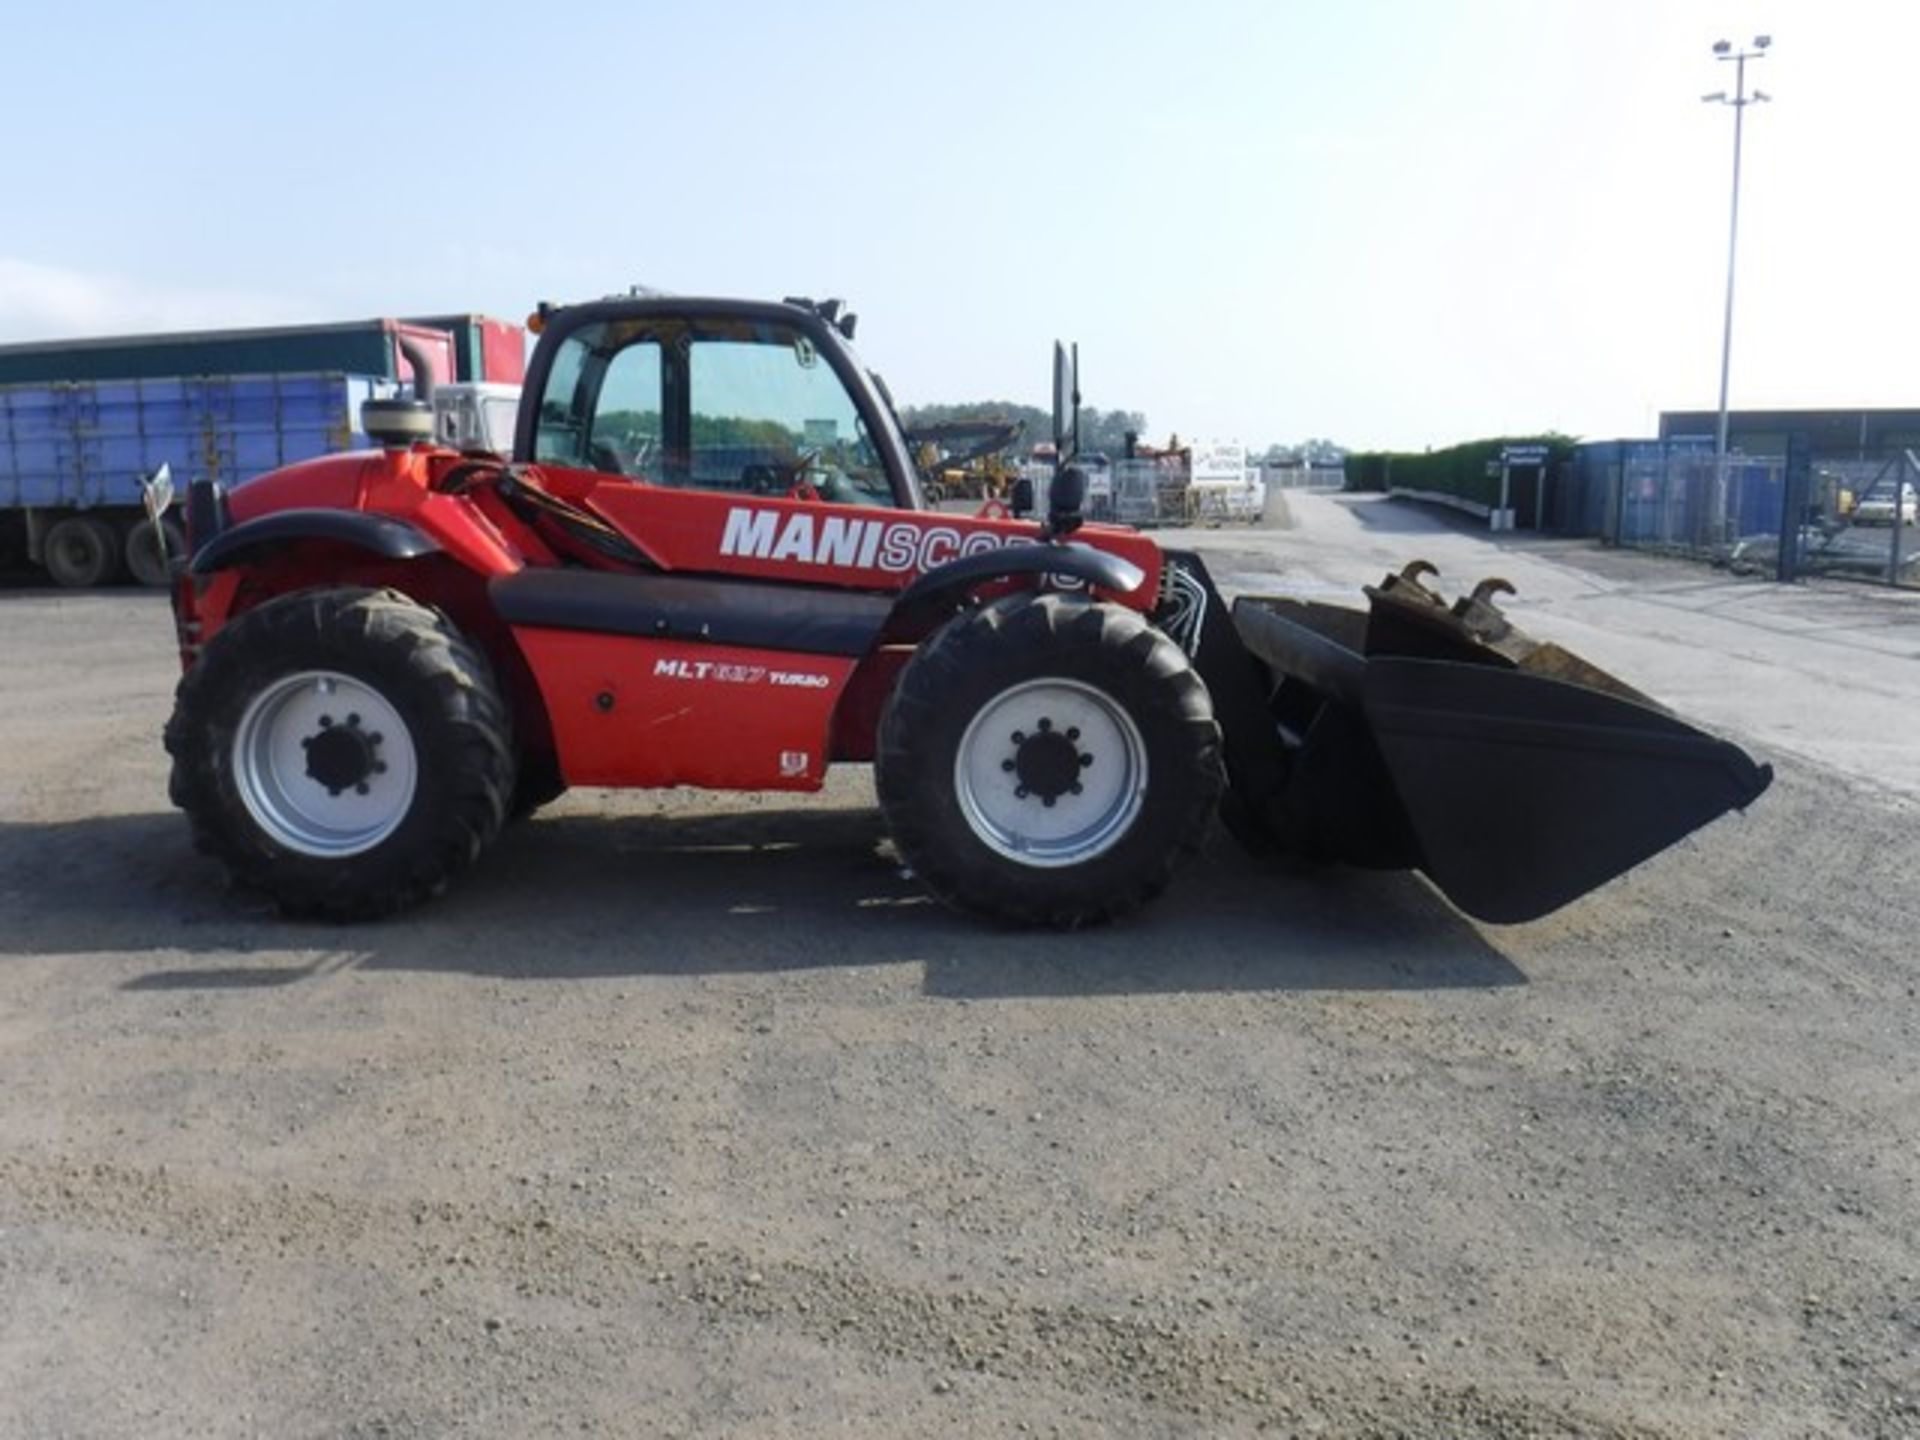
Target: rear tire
x,y
346,751
1048,761
141,551
81,551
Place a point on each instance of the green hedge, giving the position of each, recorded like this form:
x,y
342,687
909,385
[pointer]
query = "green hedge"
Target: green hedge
x,y
1459,470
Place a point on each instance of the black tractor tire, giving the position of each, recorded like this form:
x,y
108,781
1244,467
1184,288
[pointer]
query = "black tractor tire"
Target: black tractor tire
x,y
81,551
971,708
140,548
404,664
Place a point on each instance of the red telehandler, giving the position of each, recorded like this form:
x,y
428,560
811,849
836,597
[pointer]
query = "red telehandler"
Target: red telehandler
x,y
708,562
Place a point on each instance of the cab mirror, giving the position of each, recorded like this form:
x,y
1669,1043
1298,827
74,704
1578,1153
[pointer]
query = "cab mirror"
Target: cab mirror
x,y
1066,401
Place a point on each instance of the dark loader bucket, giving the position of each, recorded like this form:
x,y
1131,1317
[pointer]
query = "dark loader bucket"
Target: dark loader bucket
x,y
1514,774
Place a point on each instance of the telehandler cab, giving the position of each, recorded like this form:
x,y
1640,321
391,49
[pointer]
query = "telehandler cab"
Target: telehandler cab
x,y
708,562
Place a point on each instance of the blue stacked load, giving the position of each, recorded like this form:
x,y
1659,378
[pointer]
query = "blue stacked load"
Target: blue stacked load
x,y
87,443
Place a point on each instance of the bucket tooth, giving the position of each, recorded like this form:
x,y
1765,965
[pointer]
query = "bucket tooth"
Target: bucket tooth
x,y
1493,585
1408,584
1480,615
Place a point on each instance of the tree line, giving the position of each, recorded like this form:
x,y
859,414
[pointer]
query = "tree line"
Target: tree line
x,y
1101,430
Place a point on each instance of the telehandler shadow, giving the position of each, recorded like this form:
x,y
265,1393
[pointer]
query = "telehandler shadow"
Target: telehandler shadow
x,y
784,889
752,891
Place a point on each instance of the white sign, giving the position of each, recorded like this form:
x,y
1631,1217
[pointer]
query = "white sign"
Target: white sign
x,y
1220,464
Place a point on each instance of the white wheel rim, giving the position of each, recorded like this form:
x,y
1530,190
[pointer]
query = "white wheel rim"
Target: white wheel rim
x,y
364,783
997,763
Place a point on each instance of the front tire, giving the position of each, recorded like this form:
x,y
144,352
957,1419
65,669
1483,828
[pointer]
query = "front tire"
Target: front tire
x,y
346,751
1048,761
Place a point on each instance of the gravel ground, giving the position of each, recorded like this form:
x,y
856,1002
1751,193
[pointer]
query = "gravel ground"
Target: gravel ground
x,y
686,1115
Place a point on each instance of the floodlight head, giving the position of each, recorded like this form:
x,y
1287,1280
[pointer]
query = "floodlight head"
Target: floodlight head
x,y
1760,97
1718,95
1721,47
1761,42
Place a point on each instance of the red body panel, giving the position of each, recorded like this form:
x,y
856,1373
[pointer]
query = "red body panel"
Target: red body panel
x,y
387,482
636,712
328,482
818,543
626,710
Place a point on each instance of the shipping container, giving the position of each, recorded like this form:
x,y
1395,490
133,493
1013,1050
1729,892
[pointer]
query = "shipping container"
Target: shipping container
x,y
72,454
362,347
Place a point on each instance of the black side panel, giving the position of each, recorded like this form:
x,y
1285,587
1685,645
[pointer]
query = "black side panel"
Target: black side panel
x,y
746,613
381,534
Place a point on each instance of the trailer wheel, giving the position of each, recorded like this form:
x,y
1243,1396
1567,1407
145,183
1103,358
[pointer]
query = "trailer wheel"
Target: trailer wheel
x,y
346,751
141,550
1048,761
81,551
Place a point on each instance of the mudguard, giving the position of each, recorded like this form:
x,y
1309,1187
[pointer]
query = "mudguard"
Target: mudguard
x,y
947,585
381,535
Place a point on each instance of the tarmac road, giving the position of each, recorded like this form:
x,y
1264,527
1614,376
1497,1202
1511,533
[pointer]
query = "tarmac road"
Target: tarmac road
x,y
686,1115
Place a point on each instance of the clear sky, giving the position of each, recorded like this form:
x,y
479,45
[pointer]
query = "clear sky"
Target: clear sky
x,y
1387,222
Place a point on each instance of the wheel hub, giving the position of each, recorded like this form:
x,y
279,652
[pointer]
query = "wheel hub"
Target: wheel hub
x,y
325,763
1047,763
1051,772
342,757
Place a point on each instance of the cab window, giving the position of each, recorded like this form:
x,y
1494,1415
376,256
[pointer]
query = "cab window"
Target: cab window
x,y
602,405
743,408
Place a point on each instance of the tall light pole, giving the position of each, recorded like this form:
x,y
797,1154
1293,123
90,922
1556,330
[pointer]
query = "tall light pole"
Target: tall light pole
x,y
1739,100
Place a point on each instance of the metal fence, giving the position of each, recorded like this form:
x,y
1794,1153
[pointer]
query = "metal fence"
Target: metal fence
x,y
1853,517
1304,477
1860,519
1138,487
